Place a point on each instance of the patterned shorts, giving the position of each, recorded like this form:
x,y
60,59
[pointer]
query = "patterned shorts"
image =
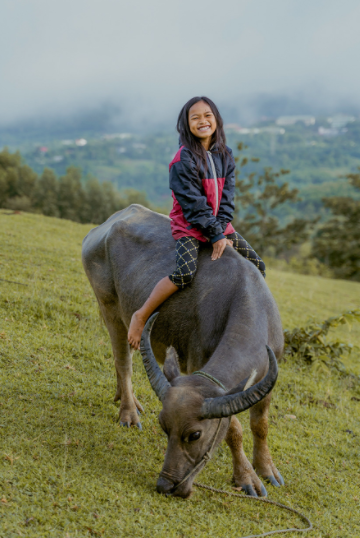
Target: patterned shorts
x,y
187,250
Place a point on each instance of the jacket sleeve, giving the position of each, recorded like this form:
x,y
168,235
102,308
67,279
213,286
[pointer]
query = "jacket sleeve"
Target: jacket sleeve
x,y
227,205
187,189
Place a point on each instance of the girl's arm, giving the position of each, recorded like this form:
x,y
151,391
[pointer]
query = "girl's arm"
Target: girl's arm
x,y
187,189
227,205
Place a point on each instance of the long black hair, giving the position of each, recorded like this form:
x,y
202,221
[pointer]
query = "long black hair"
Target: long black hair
x,y
193,143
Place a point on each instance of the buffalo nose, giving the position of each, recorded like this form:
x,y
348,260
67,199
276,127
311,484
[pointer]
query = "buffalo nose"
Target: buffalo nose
x,y
163,485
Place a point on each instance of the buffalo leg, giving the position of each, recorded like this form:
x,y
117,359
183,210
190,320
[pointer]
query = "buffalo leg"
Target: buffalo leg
x,y
262,460
129,407
244,474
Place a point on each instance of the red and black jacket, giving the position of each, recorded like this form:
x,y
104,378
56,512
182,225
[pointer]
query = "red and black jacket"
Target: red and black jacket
x,y
203,200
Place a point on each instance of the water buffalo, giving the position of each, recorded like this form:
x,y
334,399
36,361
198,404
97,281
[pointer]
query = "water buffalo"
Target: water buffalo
x,y
225,326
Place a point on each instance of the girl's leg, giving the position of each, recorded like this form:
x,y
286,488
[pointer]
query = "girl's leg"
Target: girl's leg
x,y
243,248
187,249
162,291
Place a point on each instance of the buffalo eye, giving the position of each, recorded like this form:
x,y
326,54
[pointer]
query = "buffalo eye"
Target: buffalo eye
x,y
194,436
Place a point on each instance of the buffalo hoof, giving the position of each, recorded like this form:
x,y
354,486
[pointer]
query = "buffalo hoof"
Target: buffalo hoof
x,y
125,424
128,415
272,480
249,481
248,489
128,425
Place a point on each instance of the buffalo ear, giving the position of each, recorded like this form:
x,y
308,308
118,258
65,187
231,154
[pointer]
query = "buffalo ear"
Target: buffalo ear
x,y
171,364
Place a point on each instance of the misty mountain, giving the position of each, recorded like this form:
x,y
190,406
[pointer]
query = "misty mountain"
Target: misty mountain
x,y
111,118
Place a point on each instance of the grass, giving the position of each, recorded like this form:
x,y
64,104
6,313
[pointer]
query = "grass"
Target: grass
x,y
66,467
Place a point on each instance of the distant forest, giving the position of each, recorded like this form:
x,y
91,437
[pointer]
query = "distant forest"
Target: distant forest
x,y
317,163
334,244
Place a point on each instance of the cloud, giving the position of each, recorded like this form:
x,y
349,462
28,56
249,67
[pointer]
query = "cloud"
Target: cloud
x,y
150,57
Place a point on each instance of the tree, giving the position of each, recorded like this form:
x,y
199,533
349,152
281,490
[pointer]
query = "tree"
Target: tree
x,y
256,198
67,197
133,196
45,197
337,242
94,210
113,200
17,181
71,196
102,200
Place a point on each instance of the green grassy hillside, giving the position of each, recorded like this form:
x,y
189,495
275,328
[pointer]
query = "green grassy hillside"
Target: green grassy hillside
x,y
66,467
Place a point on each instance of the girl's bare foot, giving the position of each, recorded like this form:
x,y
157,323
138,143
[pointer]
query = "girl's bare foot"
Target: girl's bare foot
x,y
137,325
159,294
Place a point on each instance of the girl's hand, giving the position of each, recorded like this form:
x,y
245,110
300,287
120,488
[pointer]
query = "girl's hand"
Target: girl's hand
x,y
219,247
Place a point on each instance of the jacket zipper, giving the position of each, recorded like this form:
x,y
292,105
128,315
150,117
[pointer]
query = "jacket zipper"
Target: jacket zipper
x,y
215,182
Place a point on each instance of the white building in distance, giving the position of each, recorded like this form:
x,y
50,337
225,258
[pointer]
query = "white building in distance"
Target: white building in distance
x,y
291,120
81,142
340,120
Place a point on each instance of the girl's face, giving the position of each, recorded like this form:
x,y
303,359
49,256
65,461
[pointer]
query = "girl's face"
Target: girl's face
x,y
202,122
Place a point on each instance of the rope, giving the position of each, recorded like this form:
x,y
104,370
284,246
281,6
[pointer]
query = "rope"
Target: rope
x,y
212,378
250,498
207,456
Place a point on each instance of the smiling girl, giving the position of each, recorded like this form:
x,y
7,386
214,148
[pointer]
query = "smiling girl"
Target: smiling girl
x,y
202,180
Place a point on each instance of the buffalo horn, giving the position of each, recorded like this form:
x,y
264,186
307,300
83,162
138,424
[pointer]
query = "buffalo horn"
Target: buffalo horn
x,y
231,404
157,379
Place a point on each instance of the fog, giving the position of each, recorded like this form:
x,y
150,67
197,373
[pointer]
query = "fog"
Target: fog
x,y
144,59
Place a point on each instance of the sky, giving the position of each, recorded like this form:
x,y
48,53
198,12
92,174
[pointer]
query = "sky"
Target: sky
x,y
148,57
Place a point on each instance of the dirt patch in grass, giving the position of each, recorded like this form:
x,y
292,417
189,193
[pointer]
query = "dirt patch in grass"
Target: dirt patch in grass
x,y
66,467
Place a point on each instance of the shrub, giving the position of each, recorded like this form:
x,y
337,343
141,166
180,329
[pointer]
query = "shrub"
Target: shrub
x,y
300,265
310,343
18,203
337,242
257,196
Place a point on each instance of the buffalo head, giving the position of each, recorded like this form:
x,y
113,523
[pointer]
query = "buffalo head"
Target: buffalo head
x,y
194,417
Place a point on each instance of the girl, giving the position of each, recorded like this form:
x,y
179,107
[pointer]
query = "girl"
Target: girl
x,y
202,180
